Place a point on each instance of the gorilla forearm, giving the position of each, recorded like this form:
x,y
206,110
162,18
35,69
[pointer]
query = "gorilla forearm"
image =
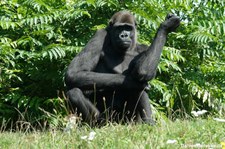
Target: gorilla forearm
x,y
90,80
146,64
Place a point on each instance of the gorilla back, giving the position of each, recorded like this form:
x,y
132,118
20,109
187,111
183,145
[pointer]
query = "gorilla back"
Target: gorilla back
x,y
107,80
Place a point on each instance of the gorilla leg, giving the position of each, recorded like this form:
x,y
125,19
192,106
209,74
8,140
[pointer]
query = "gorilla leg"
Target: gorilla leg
x,y
144,109
82,105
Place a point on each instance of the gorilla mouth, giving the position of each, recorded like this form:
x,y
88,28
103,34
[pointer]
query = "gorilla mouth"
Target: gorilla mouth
x,y
125,44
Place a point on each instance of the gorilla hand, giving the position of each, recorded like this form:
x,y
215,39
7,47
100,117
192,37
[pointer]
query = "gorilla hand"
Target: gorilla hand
x,y
171,23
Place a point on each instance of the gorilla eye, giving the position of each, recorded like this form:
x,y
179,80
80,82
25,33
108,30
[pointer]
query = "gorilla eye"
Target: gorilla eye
x,y
128,27
124,27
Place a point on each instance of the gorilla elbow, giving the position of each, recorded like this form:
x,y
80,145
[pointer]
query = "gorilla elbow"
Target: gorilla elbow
x,y
144,75
70,79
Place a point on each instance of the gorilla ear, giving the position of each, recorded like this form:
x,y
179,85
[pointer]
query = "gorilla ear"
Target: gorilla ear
x,y
110,25
135,23
111,22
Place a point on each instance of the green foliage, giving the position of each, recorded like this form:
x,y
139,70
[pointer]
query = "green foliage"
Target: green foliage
x,y
39,38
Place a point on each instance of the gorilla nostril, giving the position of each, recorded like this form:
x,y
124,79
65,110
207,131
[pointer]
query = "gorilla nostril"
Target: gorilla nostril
x,y
122,36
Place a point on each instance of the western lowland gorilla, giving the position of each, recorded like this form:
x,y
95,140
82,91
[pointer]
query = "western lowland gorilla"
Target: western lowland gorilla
x,y
107,80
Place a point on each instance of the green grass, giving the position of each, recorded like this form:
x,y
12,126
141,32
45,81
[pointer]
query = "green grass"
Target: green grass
x,y
208,133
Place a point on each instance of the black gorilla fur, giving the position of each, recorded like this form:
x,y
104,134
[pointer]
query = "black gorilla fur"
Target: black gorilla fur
x,y
107,80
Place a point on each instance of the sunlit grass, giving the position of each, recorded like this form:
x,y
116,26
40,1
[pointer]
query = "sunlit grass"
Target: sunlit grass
x,y
206,133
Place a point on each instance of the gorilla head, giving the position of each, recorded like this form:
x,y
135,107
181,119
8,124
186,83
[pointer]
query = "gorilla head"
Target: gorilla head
x,y
122,31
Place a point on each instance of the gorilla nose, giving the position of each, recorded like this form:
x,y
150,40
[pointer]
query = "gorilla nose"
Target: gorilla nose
x,y
125,35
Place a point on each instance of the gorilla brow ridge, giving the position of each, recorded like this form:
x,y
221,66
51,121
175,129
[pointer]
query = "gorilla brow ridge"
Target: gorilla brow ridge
x,y
123,17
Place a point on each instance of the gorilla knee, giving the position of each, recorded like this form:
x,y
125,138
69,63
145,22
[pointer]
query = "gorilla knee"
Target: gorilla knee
x,y
77,101
75,95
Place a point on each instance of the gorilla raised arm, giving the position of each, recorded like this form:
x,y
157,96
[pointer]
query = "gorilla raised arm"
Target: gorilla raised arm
x,y
107,79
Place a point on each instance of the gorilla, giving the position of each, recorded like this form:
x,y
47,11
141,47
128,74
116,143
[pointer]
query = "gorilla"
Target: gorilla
x,y
108,79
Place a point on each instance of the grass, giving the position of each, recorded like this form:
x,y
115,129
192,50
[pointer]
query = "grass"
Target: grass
x,y
196,133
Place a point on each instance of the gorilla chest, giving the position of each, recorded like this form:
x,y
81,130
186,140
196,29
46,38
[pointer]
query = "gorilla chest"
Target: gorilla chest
x,y
110,63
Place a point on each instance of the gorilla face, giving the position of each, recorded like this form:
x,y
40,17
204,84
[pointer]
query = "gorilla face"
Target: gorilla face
x,y
123,36
122,31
